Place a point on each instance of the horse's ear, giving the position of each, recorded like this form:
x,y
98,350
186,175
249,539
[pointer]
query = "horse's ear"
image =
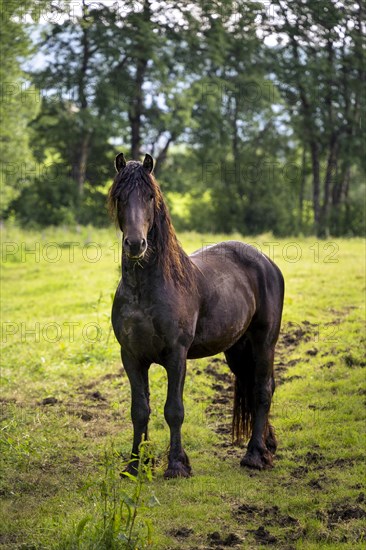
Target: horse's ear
x,y
148,163
119,162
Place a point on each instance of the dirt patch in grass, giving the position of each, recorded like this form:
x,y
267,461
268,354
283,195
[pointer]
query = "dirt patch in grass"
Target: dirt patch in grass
x,y
315,462
96,396
216,540
295,333
49,401
181,532
291,336
223,378
262,536
272,515
344,512
341,462
313,457
266,517
220,409
345,515
300,472
98,381
318,483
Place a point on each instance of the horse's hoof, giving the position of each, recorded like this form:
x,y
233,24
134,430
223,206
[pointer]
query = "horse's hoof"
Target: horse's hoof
x,y
252,461
178,470
257,460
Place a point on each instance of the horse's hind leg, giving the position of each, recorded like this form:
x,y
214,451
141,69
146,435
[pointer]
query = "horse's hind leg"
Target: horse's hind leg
x,y
262,444
240,360
252,364
271,441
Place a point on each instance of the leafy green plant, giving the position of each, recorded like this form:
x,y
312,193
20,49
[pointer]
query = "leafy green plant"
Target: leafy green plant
x,y
119,522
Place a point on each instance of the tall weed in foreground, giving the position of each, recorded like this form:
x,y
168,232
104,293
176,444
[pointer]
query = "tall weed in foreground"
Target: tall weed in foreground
x,y
118,522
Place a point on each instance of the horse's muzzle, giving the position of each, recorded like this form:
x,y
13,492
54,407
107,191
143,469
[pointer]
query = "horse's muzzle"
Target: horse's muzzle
x,y
135,248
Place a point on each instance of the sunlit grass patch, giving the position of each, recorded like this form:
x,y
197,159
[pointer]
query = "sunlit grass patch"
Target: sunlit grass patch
x,y
66,401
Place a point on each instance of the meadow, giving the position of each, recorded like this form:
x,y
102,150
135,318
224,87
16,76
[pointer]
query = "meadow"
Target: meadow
x,y
66,428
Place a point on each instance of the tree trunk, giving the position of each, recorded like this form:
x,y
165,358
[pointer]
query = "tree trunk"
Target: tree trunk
x,y
235,141
235,186
82,152
80,168
316,185
161,158
302,188
311,136
136,108
329,177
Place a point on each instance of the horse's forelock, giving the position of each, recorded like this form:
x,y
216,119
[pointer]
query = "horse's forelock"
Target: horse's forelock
x,y
133,176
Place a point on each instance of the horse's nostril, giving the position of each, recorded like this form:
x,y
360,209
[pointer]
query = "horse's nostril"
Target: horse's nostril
x,y
135,246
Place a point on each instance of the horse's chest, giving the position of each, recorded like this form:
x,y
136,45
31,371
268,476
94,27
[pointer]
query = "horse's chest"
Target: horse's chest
x,y
137,327
131,324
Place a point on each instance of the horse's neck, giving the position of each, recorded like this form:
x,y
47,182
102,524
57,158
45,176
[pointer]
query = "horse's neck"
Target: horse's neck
x,y
138,277
154,271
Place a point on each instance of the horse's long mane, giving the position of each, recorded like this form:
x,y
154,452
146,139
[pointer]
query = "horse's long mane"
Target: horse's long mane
x,y
162,240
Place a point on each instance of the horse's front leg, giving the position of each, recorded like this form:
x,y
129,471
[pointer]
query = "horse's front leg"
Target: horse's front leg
x,y
178,462
137,373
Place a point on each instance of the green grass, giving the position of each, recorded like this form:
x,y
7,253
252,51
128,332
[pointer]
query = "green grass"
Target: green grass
x,y
57,343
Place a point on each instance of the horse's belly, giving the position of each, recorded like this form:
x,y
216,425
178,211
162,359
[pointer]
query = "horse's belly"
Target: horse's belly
x,y
214,335
208,347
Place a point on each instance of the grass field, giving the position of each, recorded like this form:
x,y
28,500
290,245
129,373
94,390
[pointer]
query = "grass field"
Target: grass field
x,y
65,406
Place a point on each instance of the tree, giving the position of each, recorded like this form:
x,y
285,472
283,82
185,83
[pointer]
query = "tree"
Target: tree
x,y
248,133
111,75
235,143
319,63
19,103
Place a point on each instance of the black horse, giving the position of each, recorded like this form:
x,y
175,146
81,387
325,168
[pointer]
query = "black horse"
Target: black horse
x,y
170,307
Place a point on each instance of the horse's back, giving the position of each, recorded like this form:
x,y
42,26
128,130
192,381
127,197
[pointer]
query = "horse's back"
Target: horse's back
x,y
241,261
237,284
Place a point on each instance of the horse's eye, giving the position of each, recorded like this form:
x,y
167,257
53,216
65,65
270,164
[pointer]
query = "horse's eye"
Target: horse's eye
x,y
151,198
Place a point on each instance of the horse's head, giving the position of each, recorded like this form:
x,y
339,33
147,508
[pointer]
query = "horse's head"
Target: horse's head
x,y
132,198
136,203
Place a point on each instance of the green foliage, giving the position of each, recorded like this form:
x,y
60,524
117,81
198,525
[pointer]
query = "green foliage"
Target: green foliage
x,y
248,121
322,88
44,202
18,102
118,521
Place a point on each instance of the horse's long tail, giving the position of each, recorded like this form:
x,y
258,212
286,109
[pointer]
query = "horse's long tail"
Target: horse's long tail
x,y
242,364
